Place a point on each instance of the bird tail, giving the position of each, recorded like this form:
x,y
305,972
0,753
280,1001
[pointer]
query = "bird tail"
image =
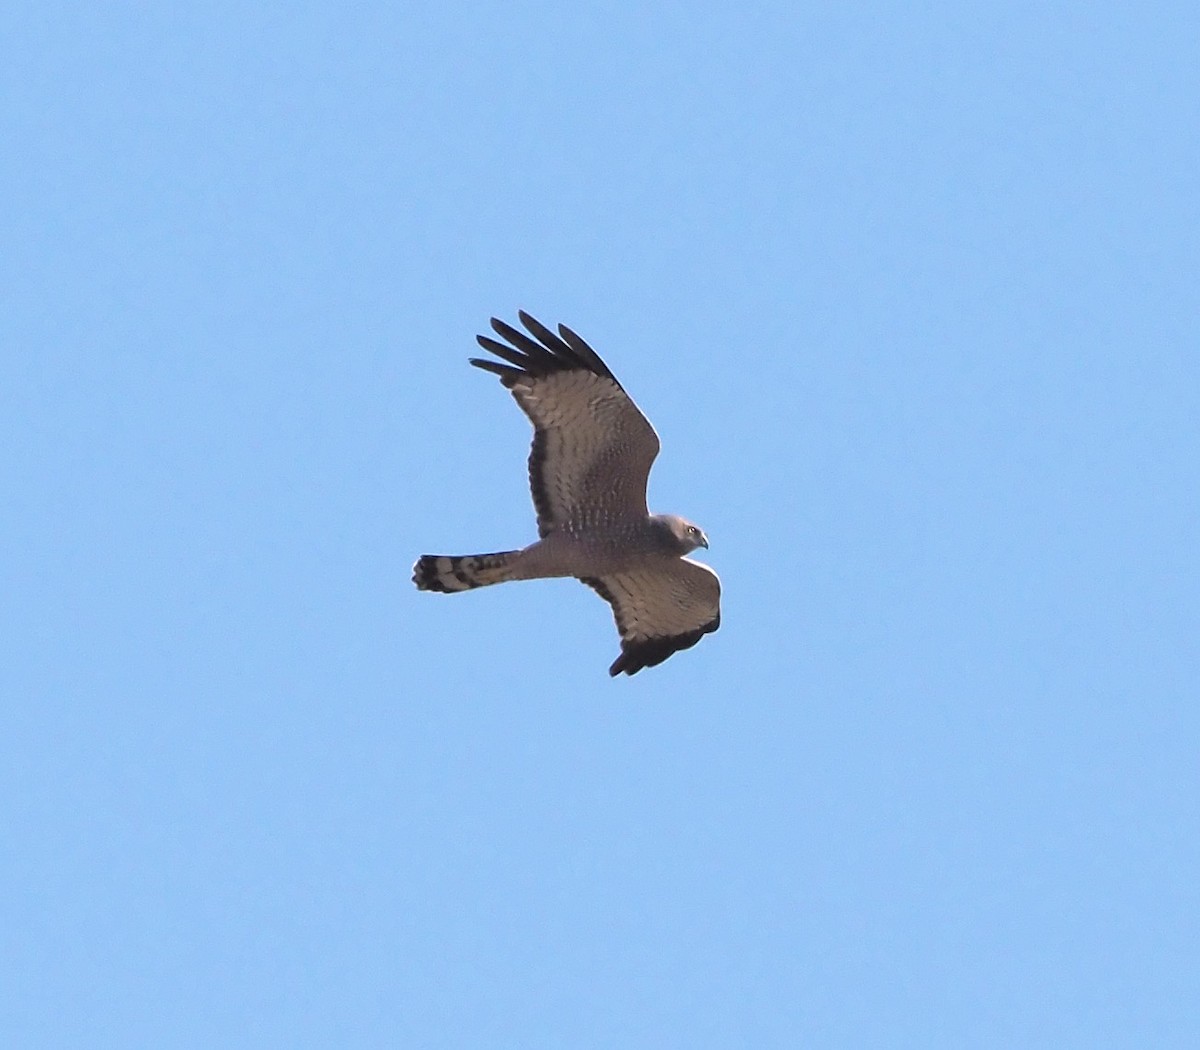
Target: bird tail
x,y
448,573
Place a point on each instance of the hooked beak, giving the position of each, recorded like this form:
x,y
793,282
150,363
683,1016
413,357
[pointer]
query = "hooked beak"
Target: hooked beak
x,y
703,541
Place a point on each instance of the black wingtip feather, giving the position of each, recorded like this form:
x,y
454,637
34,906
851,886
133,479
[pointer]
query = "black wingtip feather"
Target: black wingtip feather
x,y
506,353
541,355
641,655
507,373
549,340
584,352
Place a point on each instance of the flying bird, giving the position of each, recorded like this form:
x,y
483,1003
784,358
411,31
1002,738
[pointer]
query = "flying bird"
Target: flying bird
x,y
588,469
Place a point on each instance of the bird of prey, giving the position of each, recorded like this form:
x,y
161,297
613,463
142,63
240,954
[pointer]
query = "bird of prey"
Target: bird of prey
x,y
588,469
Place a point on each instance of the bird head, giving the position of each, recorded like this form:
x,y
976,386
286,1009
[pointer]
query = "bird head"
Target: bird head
x,y
686,536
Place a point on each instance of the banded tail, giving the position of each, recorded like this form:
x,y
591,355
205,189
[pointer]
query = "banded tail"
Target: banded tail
x,y
449,573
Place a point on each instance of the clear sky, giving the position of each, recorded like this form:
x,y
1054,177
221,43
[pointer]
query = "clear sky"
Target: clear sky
x,y
911,294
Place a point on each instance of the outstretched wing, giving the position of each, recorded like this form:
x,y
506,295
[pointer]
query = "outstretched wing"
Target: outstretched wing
x,y
592,447
667,605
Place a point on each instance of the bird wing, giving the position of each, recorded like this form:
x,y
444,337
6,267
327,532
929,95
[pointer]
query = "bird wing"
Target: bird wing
x,y
592,447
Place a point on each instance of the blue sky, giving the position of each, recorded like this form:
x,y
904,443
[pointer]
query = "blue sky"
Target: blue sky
x,y
910,293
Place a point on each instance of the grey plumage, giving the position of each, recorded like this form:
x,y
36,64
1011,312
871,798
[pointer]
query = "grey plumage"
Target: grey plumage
x,y
588,469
